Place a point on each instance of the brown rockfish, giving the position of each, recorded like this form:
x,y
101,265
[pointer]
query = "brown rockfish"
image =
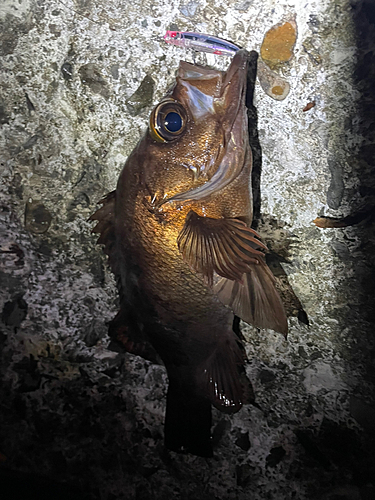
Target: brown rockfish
x,y
178,236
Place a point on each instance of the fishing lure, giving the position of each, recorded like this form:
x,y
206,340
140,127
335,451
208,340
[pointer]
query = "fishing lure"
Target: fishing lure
x,y
201,42
272,84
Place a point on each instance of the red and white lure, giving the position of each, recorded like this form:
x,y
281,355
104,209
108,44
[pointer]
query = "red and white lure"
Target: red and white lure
x,y
273,85
201,42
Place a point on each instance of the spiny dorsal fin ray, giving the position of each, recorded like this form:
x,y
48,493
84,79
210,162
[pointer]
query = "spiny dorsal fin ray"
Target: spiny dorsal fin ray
x,y
123,328
106,227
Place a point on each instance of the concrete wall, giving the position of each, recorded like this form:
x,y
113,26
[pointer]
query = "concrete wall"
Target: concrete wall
x,y
74,411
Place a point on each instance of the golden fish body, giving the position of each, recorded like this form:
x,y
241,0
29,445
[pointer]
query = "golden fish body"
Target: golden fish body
x,y
177,232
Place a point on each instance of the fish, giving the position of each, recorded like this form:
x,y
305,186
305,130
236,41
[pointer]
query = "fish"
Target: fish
x,y
349,220
177,232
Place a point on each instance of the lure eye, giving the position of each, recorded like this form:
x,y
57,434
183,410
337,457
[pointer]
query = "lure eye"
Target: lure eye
x,y
168,121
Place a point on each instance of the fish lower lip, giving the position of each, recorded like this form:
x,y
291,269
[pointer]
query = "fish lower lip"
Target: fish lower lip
x,y
239,63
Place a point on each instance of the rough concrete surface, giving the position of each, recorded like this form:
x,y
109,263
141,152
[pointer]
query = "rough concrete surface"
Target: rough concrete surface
x,y
78,419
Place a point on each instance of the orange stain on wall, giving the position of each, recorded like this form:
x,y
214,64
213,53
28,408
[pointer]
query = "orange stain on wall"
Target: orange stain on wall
x,y
278,44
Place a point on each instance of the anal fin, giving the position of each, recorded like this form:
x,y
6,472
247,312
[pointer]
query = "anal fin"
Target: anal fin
x,y
223,378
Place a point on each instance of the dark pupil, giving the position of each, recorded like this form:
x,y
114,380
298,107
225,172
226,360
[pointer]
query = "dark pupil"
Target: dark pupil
x,y
173,122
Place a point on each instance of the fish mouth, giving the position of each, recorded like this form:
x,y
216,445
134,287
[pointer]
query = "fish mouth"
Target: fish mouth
x,y
235,132
236,75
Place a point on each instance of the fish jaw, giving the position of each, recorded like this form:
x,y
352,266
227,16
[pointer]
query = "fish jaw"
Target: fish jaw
x,y
228,103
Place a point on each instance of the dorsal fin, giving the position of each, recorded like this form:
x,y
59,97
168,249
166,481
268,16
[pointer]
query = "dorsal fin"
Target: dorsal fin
x,y
106,227
124,327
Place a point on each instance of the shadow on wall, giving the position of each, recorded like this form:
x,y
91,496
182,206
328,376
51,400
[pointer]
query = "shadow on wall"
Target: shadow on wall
x,y
364,155
355,246
362,161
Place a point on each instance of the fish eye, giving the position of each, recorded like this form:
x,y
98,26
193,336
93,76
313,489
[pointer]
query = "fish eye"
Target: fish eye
x,y
167,121
173,122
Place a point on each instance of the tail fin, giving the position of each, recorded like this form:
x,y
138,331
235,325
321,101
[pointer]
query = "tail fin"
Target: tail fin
x,y
187,427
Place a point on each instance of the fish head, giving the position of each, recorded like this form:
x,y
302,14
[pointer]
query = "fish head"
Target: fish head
x,y
197,137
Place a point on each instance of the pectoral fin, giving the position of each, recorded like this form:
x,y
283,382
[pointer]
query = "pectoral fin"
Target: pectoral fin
x,y
226,246
255,300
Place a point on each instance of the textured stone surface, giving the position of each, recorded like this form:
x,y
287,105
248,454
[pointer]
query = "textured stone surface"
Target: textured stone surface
x,y
73,411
